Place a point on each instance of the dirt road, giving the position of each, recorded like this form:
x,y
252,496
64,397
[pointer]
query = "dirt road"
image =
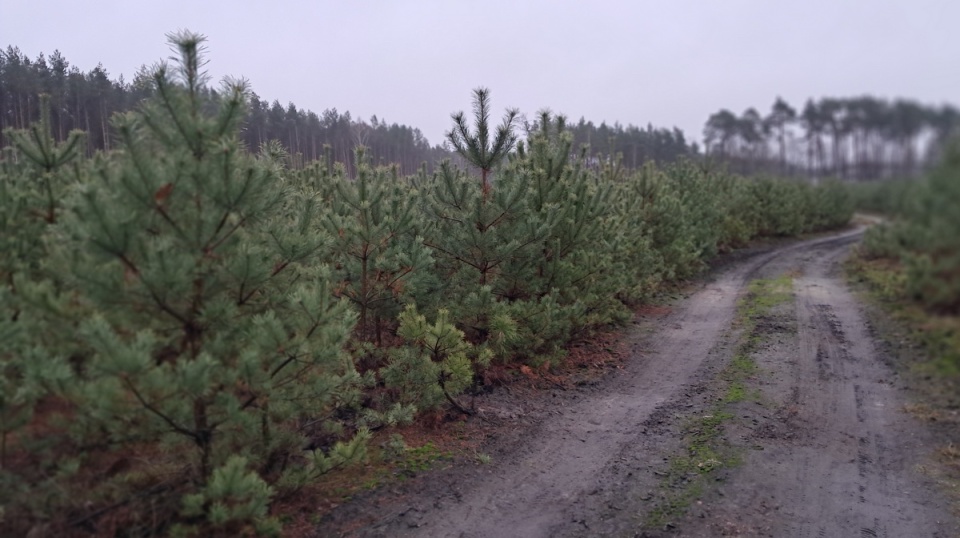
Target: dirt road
x,y
824,446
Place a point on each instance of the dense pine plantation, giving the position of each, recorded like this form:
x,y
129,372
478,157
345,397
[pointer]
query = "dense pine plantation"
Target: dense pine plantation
x,y
193,329
922,234
912,259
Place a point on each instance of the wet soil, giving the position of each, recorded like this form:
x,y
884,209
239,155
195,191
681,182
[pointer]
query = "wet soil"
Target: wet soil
x,y
823,443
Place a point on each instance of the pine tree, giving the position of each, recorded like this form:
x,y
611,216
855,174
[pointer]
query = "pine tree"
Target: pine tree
x,y
566,284
436,364
380,261
655,197
196,316
631,234
472,238
46,156
35,174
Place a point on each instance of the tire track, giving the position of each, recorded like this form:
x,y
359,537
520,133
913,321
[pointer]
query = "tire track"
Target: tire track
x,y
852,467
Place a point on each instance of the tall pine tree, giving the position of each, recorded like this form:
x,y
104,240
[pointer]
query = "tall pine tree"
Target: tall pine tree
x,y
195,316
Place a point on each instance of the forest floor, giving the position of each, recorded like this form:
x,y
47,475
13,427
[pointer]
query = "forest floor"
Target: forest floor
x,y
765,402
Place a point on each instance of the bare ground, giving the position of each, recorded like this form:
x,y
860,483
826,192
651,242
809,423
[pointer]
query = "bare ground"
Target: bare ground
x,y
824,446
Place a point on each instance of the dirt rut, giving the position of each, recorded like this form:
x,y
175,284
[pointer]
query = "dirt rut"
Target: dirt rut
x,y
839,462
838,456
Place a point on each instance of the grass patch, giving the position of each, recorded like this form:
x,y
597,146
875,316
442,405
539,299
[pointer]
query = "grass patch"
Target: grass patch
x,y
420,459
762,295
741,368
925,412
927,344
674,506
735,393
705,450
390,459
394,461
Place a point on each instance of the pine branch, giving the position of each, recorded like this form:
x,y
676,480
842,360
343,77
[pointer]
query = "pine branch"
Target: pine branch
x,y
227,235
153,294
169,421
453,255
155,490
454,402
165,100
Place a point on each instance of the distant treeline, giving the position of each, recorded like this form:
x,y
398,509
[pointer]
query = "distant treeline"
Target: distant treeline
x,y
633,144
87,100
860,138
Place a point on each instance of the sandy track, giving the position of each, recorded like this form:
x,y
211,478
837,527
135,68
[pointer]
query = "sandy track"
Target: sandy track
x,y
839,457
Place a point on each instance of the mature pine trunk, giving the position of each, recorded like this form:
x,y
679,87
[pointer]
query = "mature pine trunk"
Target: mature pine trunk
x,y
103,127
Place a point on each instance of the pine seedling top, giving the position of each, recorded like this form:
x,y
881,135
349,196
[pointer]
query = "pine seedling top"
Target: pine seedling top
x,y
43,153
477,148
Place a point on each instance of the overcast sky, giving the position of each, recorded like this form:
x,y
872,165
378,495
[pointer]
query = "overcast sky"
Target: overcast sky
x,y
669,63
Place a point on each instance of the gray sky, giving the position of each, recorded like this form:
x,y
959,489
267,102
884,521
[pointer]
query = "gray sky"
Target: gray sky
x,y
669,63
